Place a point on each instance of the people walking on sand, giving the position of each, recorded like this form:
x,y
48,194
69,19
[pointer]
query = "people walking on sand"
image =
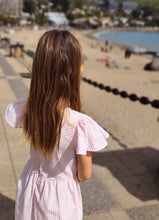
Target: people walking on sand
x,y
61,138
106,43
128,53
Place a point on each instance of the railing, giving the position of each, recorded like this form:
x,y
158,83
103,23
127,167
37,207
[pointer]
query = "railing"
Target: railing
x,y
123,94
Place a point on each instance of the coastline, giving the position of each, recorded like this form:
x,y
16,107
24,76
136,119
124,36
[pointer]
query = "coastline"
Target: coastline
x,y
142,50
129,75
126,74
128,29
90,33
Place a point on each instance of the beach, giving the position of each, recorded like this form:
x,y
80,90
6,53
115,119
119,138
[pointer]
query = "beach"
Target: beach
x,y
138,119
124,182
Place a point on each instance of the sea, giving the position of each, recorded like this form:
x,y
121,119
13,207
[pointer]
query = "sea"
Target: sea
x,y
138,41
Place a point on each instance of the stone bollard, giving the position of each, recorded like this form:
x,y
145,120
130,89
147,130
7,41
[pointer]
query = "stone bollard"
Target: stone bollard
x,y
16,48
11,51
18,51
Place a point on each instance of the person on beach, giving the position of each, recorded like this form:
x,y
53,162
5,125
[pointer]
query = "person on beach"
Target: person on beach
x,y
61,138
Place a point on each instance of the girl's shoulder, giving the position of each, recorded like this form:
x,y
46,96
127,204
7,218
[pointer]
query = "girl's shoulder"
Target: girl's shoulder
x,y
17,104
14,112
78,117
88,134
84,122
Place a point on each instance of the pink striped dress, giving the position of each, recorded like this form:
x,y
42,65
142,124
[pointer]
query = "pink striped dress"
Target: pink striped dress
x,y
49,189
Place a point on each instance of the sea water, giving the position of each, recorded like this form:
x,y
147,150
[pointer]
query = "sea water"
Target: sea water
x,y
139,41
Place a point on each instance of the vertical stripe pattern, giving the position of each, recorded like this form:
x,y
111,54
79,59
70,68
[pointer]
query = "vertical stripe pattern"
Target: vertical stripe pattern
x,y
49,189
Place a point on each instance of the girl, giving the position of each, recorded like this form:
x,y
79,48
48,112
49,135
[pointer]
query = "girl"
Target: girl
x,y
61,138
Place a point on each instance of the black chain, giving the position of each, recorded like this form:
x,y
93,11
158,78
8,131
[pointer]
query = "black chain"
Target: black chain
x,y
133,97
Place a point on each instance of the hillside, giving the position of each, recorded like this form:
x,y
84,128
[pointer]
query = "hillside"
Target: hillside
x,y
149,3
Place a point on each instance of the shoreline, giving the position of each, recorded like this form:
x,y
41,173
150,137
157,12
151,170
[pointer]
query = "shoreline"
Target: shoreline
x,y
127,29
140,50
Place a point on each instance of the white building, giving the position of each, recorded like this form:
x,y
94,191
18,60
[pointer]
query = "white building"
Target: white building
x,y
128,7
59,19
105,21
11,7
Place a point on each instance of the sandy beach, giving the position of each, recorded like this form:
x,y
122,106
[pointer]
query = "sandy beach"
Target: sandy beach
x,y
135,118
124,183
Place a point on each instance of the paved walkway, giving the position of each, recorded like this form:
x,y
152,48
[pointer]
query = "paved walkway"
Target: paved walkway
x,y
124,184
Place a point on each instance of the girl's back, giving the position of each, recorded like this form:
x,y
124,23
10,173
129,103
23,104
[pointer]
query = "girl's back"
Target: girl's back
x,y
49,189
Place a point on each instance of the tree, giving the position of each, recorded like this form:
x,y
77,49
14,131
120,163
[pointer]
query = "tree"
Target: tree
x,y
63,5
147,11
135,14
106,4
78,3
41,19
29,6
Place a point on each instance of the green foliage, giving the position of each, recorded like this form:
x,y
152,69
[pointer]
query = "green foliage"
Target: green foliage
x,y
1,18
106,4
156,22
78,3
142,3
144,12
29,6
61,5
41,19
30,20
96,14
8,20
66,5
135,13
72,17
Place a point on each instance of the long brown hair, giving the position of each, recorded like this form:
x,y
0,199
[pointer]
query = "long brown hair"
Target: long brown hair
x,y
55,85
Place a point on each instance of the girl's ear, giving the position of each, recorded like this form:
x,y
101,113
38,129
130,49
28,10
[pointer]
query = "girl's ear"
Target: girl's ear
x,y
82,66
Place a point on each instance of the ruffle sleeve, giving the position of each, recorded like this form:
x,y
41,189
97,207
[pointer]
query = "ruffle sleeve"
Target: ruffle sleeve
x,y
90,136
14,112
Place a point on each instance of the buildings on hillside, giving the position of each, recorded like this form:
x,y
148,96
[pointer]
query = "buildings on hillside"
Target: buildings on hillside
x,y
126,6
11,7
